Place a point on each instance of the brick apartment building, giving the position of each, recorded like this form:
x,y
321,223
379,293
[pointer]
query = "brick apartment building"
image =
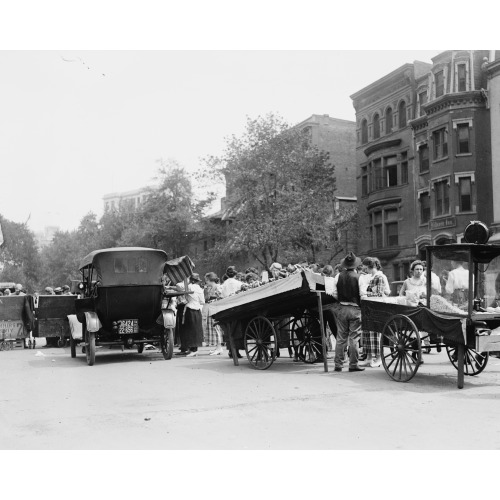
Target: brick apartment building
x,y
424,157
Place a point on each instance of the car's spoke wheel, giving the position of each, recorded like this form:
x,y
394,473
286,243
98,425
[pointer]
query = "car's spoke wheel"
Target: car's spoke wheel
x,y
72,346
167,343
90,347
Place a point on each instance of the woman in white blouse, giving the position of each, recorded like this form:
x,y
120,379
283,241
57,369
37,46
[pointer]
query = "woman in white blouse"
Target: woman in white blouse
x,y
191,329
372,284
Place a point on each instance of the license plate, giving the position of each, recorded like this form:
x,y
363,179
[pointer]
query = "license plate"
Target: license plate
x,y
126,326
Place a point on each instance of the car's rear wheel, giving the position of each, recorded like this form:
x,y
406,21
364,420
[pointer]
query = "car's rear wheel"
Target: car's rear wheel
x,y
72,346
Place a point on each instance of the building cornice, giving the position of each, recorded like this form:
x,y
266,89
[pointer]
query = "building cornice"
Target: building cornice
x,y
492,69
454,100
384,201
381,145
397,74
419,123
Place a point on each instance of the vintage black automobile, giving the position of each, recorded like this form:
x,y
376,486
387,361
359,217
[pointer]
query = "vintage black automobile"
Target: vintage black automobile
x,y
122,301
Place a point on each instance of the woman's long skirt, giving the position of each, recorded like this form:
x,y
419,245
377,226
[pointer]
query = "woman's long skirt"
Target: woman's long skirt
x,y
191,329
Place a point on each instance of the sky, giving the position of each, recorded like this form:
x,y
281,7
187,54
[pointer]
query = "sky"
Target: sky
x,y
76,125
92,99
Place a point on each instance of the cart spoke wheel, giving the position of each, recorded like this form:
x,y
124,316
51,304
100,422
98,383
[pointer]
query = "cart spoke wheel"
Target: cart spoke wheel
x,y
261,343
307,331
90,347
166,343
474,362
400,347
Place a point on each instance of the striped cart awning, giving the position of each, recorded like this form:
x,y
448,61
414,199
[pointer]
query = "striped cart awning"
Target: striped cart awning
x,y
178,269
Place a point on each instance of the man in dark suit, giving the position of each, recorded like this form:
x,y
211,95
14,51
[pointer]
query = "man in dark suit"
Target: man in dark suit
x,y
348,313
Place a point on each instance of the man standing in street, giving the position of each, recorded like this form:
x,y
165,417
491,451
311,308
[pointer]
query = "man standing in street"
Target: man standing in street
x,y
348,313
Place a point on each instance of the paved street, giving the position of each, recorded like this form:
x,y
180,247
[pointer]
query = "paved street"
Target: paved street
x,y
140,401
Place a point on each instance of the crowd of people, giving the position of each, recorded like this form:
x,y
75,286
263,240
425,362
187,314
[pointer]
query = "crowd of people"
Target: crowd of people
x,y
15,290
352,280
358,280
21,290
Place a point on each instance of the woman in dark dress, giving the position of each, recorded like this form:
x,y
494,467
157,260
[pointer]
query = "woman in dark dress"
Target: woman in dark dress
x,y
191,327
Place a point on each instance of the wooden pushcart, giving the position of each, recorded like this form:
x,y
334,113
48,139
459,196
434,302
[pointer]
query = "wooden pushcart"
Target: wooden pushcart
x,y
52,313
279,314
16,320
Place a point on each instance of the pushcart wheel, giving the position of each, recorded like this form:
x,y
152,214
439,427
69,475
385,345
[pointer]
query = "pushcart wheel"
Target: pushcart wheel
x,y
2,346
72,346
260,343
307,330
167,343
400,347
140,348
61,342
474,362
90,348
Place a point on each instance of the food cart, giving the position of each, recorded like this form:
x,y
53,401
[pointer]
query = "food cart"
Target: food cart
x,y
279,314
52,313
463,319
16,320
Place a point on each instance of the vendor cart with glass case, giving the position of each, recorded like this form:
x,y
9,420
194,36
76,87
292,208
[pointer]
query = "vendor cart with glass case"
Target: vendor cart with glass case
x,y
460,313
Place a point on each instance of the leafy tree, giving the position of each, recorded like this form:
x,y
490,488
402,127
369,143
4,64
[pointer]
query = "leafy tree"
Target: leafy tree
x,y
60,260
280,190
169,218
19,258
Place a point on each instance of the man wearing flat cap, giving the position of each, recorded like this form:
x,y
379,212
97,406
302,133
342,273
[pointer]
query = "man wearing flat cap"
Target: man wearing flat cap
x,y
348,313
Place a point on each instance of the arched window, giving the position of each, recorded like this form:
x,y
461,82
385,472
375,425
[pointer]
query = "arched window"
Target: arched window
x,y
388,121
402,114
376,126
364,132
